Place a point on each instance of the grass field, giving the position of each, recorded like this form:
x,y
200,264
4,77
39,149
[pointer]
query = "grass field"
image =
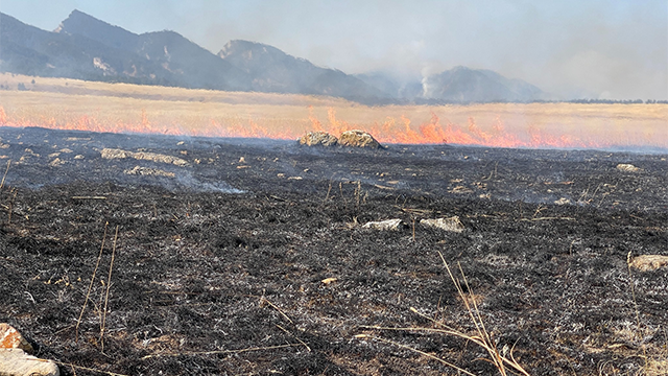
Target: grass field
x,y
73,104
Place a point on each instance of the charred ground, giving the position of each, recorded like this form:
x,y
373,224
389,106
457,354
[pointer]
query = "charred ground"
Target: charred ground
x,y
230,253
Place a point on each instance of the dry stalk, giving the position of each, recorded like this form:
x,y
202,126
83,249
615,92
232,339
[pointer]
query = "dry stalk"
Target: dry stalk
x,y
358,192
342,197
481,338
329,190
11,207
2,184
222,351
417,351
265,300
487,343
297,338
635,303
90,287
106,299
547,219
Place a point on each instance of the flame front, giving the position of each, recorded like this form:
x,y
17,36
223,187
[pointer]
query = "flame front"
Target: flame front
x,y
400,129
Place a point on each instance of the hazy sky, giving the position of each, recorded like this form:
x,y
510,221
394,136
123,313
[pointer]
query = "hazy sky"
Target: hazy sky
x,y
598,48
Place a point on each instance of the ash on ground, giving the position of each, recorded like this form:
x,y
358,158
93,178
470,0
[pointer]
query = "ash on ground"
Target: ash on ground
x,y
251,257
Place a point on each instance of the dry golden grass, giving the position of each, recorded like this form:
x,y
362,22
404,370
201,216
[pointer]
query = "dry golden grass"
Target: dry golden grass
x,y
74,104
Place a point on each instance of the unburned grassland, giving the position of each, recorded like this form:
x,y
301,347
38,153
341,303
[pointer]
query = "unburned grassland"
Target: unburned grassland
x,y
74,104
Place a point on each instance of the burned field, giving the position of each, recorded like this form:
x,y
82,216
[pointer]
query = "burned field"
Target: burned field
x,y
250,257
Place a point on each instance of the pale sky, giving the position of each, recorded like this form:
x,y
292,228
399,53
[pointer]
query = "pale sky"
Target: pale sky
x,y
614,49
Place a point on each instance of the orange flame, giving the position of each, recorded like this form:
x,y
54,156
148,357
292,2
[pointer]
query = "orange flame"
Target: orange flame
x,y
389,131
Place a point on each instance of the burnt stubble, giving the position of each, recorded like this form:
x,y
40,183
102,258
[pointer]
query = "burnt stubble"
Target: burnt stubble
x,y
230,252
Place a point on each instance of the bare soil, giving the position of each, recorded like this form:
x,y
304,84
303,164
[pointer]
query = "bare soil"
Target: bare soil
x,y
219,264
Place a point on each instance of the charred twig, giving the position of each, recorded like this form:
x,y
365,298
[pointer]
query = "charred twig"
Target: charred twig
x,y
190,353
90,287
106,299
547,219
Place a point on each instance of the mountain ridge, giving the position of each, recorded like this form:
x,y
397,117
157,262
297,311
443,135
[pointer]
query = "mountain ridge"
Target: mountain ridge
x,y
85,47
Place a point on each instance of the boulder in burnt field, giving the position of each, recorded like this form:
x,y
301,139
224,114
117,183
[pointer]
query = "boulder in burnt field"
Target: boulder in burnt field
x,y
10,338
358,138
318,138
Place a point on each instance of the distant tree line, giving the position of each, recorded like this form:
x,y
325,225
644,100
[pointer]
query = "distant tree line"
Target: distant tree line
x,y
616,101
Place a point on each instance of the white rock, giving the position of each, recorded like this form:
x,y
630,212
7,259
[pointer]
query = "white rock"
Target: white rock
x,y
646,263
451,224
562,201
147,171
15,362
627,167
388,224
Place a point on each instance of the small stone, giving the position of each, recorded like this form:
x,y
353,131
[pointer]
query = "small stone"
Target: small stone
x,y
627,167
147,171
388,224
10,338
451,224
359,139
327,281
56,162
15,362
562,201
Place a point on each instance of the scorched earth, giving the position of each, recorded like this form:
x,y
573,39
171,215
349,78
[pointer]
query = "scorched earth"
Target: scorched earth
x,y
250,256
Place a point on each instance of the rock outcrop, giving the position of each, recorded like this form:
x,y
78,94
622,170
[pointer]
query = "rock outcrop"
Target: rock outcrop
x,y
108,153
359,139
10,338
318,138
14,360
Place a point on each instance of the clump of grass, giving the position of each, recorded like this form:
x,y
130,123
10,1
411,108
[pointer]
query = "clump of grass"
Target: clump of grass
x,y
503,360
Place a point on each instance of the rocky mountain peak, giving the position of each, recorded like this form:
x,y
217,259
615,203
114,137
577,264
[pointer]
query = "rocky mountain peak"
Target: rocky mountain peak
x,y
83,24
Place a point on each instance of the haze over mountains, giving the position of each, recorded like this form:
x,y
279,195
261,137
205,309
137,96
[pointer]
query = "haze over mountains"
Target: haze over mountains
x,y
84,47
